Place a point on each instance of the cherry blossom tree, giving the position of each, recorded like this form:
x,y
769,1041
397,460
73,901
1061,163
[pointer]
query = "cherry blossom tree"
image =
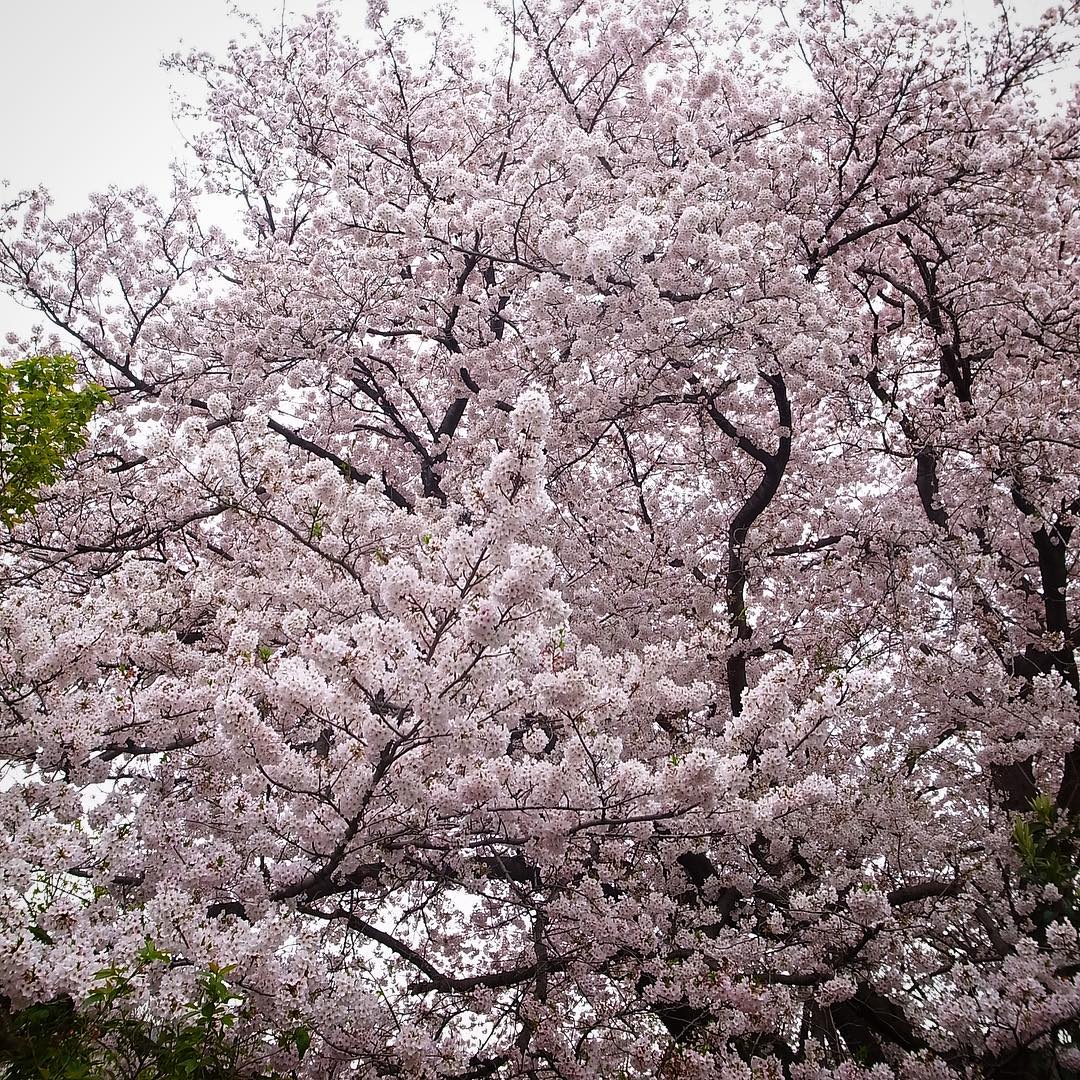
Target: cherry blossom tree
x,y
581,587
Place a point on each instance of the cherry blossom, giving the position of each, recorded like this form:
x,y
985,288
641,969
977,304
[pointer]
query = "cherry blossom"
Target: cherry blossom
x,y
578,581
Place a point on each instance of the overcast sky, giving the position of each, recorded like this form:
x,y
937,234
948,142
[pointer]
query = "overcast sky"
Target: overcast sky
x,y
85,103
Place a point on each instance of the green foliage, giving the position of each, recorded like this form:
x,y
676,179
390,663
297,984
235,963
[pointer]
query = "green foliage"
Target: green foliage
x,y
318,523
1048,843
42,423
45,1041
107,1039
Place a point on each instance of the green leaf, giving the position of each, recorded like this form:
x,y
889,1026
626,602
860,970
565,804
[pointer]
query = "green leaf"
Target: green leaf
x,y
302,1040
150,953
1025,841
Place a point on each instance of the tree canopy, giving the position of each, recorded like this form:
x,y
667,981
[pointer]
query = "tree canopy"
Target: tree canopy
x,y
582,585
42,423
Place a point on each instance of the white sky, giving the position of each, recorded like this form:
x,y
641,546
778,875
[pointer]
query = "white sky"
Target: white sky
x,y
84,102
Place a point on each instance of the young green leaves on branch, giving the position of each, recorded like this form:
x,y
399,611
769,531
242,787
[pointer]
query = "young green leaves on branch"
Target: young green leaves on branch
x,y
43,418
